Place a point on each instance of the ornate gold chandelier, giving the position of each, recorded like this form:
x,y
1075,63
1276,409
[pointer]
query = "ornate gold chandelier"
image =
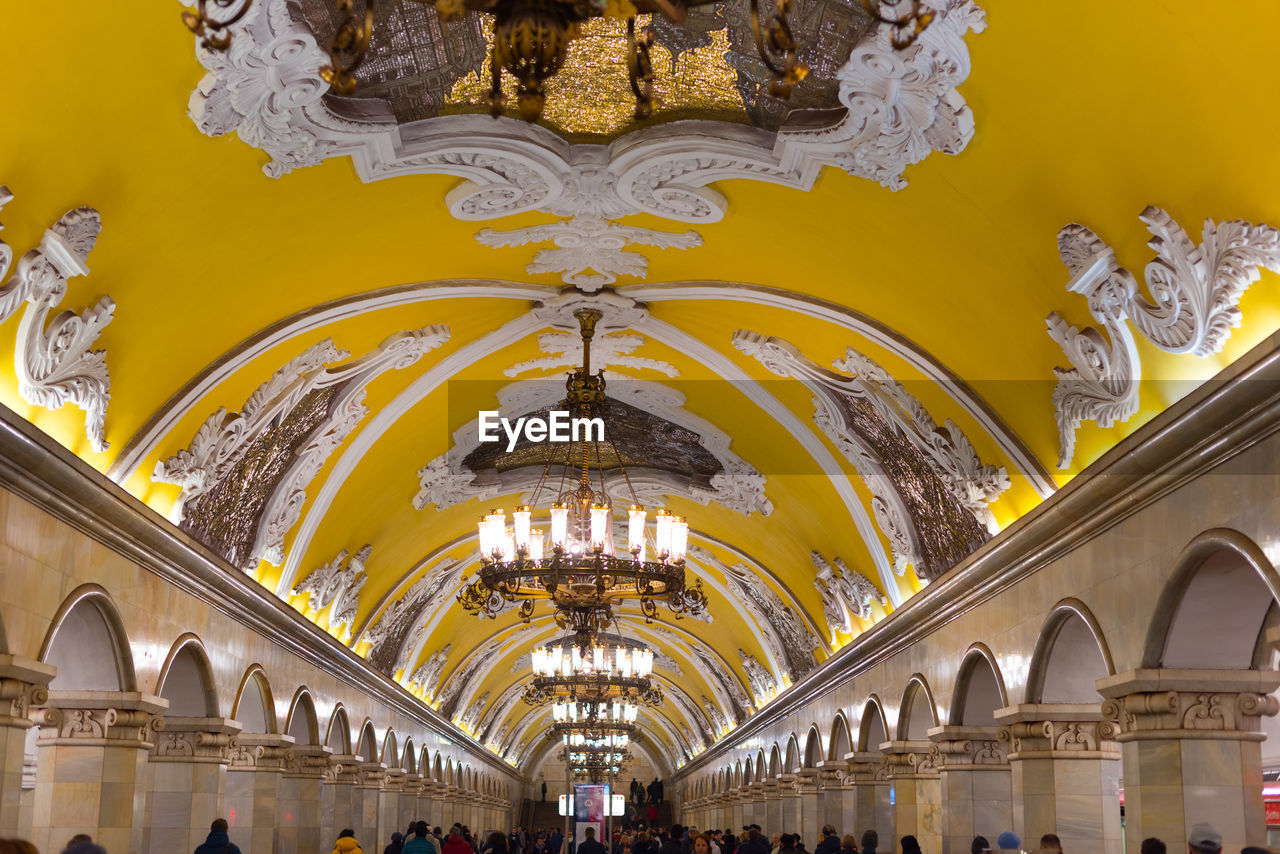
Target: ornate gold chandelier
x,y
585,573
531,40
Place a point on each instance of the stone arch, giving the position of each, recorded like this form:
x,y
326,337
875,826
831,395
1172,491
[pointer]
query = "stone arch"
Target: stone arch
x,y
839,743
775,761
762,767
737,775
390,749
338,736
1071,654
88,644
1232,584
748,775
438,770
791,762
186,680
812,747
367,744
409,759
917,713
873,726
980,689
448,771
301,723
254,706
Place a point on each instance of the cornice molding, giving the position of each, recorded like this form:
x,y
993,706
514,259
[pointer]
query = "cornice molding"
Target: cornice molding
x,y
37,469
1217,421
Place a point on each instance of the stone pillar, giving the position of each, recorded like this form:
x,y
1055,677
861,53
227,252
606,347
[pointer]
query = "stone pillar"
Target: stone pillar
x,y
92,767
23,685
1190,742
254,790
754,813
869,773
839,806
301,795
390,818
337,797
789,809
737,810
976,787
188,781
411,804
366,797
917,791
429,804
1065,773
809,806
772,808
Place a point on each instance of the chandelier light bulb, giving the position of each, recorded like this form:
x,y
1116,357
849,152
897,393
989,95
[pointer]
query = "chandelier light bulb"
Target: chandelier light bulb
x,y
559,526
536,545
635,531
662,534
600,529
520,519
679,538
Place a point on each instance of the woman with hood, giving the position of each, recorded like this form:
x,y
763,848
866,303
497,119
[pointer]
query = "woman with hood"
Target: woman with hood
x,y
347,844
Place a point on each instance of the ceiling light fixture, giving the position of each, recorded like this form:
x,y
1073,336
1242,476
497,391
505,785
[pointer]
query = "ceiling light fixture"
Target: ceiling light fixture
x,y
531,40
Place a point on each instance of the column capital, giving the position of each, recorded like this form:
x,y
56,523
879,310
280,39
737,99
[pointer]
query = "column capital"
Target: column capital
x,y
772,788
261,751
24,685
395,780
970,747
1190,704
344,768
832,773
194,740
867,766
912,758
310,761
98,717
371,775
806,782
1058,731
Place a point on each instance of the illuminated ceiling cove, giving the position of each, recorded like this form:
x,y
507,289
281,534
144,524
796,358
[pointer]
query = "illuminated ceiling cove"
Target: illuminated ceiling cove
x,y
856,340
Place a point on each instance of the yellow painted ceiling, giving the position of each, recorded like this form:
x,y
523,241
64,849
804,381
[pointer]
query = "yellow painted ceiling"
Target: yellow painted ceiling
x,y
1086,112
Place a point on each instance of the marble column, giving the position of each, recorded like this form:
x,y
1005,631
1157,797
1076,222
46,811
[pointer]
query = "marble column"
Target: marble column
x,y
188,781
23,685
412,807
1065,773
917,792
92,771
872,794
839,806
737,810
337,796
790,805
301,798
1190,742
390,818
254,790
976,786
365,800
755,813
809,805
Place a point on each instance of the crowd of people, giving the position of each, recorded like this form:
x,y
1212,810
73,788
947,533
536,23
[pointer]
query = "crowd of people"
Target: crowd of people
x,y
421,838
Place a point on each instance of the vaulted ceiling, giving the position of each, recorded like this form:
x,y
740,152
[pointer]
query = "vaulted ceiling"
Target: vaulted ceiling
x,y
296,358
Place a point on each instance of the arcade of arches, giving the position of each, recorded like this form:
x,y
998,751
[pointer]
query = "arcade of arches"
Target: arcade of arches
x,y
975,426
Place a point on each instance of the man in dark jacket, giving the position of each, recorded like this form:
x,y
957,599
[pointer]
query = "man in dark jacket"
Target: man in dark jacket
x,y
870,839
672,844
217,842
422,842
830,842
756,842
590,845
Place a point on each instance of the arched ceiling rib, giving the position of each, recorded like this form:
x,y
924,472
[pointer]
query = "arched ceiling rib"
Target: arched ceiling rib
x,y
945,285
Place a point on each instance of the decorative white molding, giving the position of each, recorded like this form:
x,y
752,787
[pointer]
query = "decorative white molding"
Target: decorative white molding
x,y
1196,292
54,365
901,106
428,674
762,683
224,438
951,455
844,592
336,586
470,719
590,251
564,350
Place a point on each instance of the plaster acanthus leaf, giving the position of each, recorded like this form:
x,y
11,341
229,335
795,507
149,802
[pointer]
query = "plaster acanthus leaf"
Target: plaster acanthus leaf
x,y
458,681
223,440
728,692
427,676
394,627
470,719
335,586
844,593
565,351
762,683
54,364
1196,293
590,251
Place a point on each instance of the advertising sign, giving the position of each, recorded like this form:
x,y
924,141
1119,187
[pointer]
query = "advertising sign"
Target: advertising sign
x,y
590,801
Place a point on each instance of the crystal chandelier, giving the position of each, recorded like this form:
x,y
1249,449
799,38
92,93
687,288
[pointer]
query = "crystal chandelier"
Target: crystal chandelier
x,y
531,40
592,687
612,741
575,563
594,713
600,658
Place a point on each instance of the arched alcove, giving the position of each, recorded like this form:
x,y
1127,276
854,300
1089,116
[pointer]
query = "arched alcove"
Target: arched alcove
x,y
390,750
839,743
186,680
748,772
301,723
367,746
791,762
338,737
918,713
775,761
88,644
873,727
979,689
255,708
1212,610
438,773
1071,655
812,747
409,761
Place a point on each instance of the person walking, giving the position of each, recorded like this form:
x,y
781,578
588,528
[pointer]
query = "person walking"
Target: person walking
x,y
870,839
830,841
346,843
544,791
910,845
421,842
397,844
217,842
590,845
